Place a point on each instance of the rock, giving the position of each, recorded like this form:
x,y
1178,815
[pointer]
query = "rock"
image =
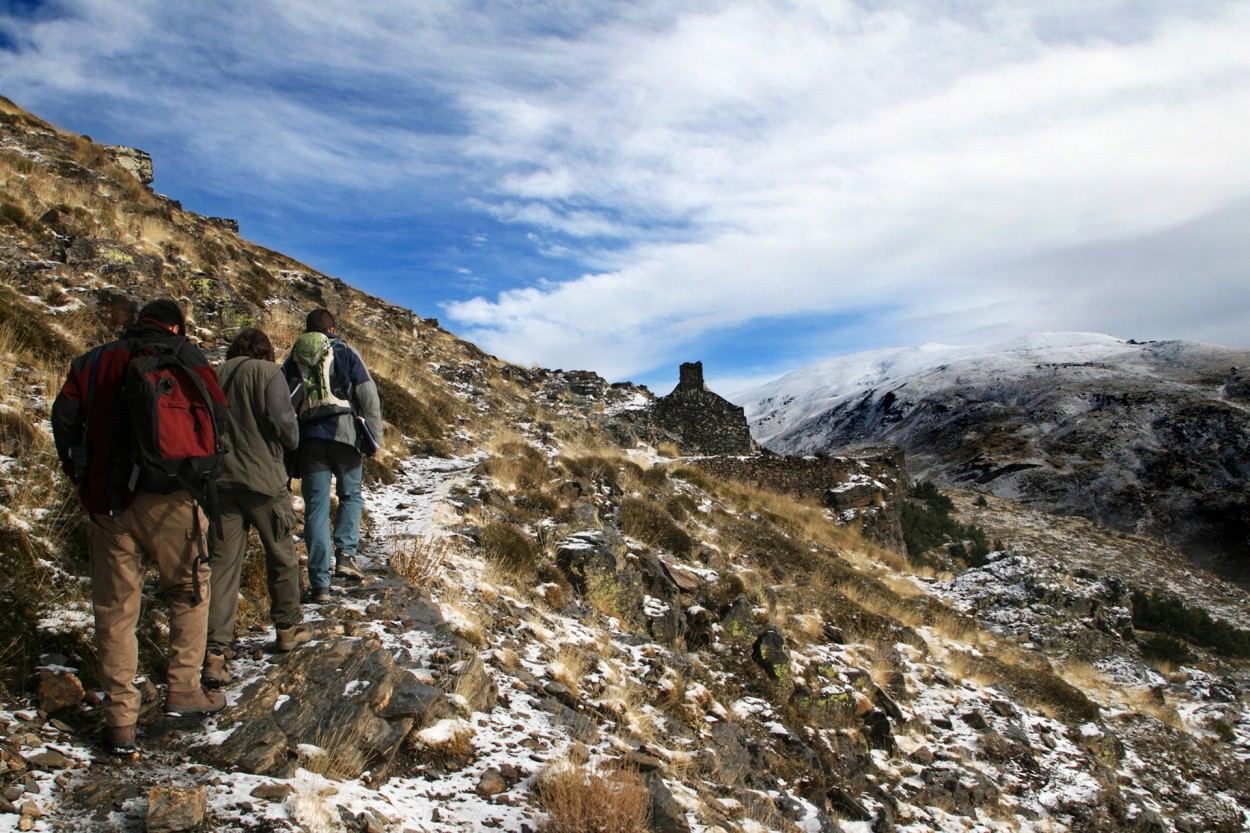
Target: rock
x,y
370,822
491,783
361,728
272,791
686,579
922,755
57,689
877,730
584,557
49,759
666,814
415,699
976,720
847,805
639,761
562,693
1002,708
769,652
173,810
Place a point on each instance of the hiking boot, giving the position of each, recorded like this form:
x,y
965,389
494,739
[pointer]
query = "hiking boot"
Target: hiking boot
x,y
319,595
120,741
291,638
345,566
199,701
216,670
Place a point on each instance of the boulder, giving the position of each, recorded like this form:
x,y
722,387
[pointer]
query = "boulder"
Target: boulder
x,y
344,696
173,810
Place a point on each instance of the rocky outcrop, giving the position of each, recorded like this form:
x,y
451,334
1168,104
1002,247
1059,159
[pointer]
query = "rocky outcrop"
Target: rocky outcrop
x,y
132,160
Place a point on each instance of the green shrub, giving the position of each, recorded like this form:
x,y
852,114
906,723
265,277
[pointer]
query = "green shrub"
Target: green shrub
x,y
1160,646
927,523
1170,618
647,522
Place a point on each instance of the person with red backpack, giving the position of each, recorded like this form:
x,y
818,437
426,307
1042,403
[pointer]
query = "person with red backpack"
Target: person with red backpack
x,y
340,419
137,429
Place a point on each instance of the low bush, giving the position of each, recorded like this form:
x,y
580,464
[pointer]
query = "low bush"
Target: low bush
x,y
1171,618
1163,648
927,524
578,801
647,522
509,547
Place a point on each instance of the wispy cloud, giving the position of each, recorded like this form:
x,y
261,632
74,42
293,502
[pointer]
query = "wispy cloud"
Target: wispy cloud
x,y
913,171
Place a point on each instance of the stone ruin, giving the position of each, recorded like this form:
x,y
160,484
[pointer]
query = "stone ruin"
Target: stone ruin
x,y
700,421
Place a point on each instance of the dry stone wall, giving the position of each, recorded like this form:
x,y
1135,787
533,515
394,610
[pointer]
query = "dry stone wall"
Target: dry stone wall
x,y
868,487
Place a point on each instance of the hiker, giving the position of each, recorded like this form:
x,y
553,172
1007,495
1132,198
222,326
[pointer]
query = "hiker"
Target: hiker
x,y
252,491
340,419
138,511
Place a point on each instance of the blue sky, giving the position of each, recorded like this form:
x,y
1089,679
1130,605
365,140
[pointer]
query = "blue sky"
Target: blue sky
x,y
759,185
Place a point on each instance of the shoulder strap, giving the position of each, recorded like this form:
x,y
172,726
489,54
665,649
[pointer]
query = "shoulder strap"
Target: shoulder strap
x,y
225,380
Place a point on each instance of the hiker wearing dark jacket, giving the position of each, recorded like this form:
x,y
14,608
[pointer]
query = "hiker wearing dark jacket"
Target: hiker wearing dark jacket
x,y
252,491
95,442
347,419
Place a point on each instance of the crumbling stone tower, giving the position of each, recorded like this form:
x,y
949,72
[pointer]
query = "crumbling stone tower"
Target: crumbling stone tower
x,y
703,422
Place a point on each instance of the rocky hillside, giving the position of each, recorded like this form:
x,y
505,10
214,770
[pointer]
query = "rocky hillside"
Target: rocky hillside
x,y
565,625
1150,438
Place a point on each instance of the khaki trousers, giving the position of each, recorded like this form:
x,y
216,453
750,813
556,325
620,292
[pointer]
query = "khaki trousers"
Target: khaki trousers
x,y
274,520
160,528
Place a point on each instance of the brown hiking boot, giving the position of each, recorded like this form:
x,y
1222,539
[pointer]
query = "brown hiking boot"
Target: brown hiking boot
x,y
216,670
291,638
199,701
120,741
345,566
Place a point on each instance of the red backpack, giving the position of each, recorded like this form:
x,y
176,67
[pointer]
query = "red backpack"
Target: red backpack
x,y
178,414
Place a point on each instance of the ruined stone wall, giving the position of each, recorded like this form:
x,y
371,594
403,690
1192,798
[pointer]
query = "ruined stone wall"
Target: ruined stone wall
x,y
869,487
701,421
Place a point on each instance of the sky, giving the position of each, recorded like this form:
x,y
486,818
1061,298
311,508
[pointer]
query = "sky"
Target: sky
x,y
755,184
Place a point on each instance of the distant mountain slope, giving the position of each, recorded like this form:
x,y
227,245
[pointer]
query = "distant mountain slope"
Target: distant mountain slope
x,y
1152,438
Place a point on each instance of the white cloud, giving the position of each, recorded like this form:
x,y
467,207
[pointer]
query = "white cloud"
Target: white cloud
x,y
862,160
943,172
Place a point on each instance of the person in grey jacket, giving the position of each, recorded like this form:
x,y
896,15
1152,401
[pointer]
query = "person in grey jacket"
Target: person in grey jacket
x,y
253,492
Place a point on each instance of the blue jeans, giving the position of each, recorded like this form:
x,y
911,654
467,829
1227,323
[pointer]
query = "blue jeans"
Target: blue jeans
x,y
319,460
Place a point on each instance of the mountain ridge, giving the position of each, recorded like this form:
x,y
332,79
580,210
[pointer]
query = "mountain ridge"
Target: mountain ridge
x,y
1146,437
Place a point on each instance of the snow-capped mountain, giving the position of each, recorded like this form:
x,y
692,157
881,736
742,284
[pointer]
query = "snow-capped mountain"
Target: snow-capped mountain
x,y
1148,437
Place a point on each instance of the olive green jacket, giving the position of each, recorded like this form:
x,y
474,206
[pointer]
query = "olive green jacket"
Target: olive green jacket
x,y
261,426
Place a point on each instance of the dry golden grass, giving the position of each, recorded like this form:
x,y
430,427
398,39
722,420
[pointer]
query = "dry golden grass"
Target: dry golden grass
x,y
578,800
333,755
474,684
419,561
569,665
461,613
629,701
667,449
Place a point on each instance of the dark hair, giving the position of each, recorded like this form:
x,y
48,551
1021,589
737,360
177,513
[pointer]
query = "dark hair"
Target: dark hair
x,y
165,311
252,343
319,321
